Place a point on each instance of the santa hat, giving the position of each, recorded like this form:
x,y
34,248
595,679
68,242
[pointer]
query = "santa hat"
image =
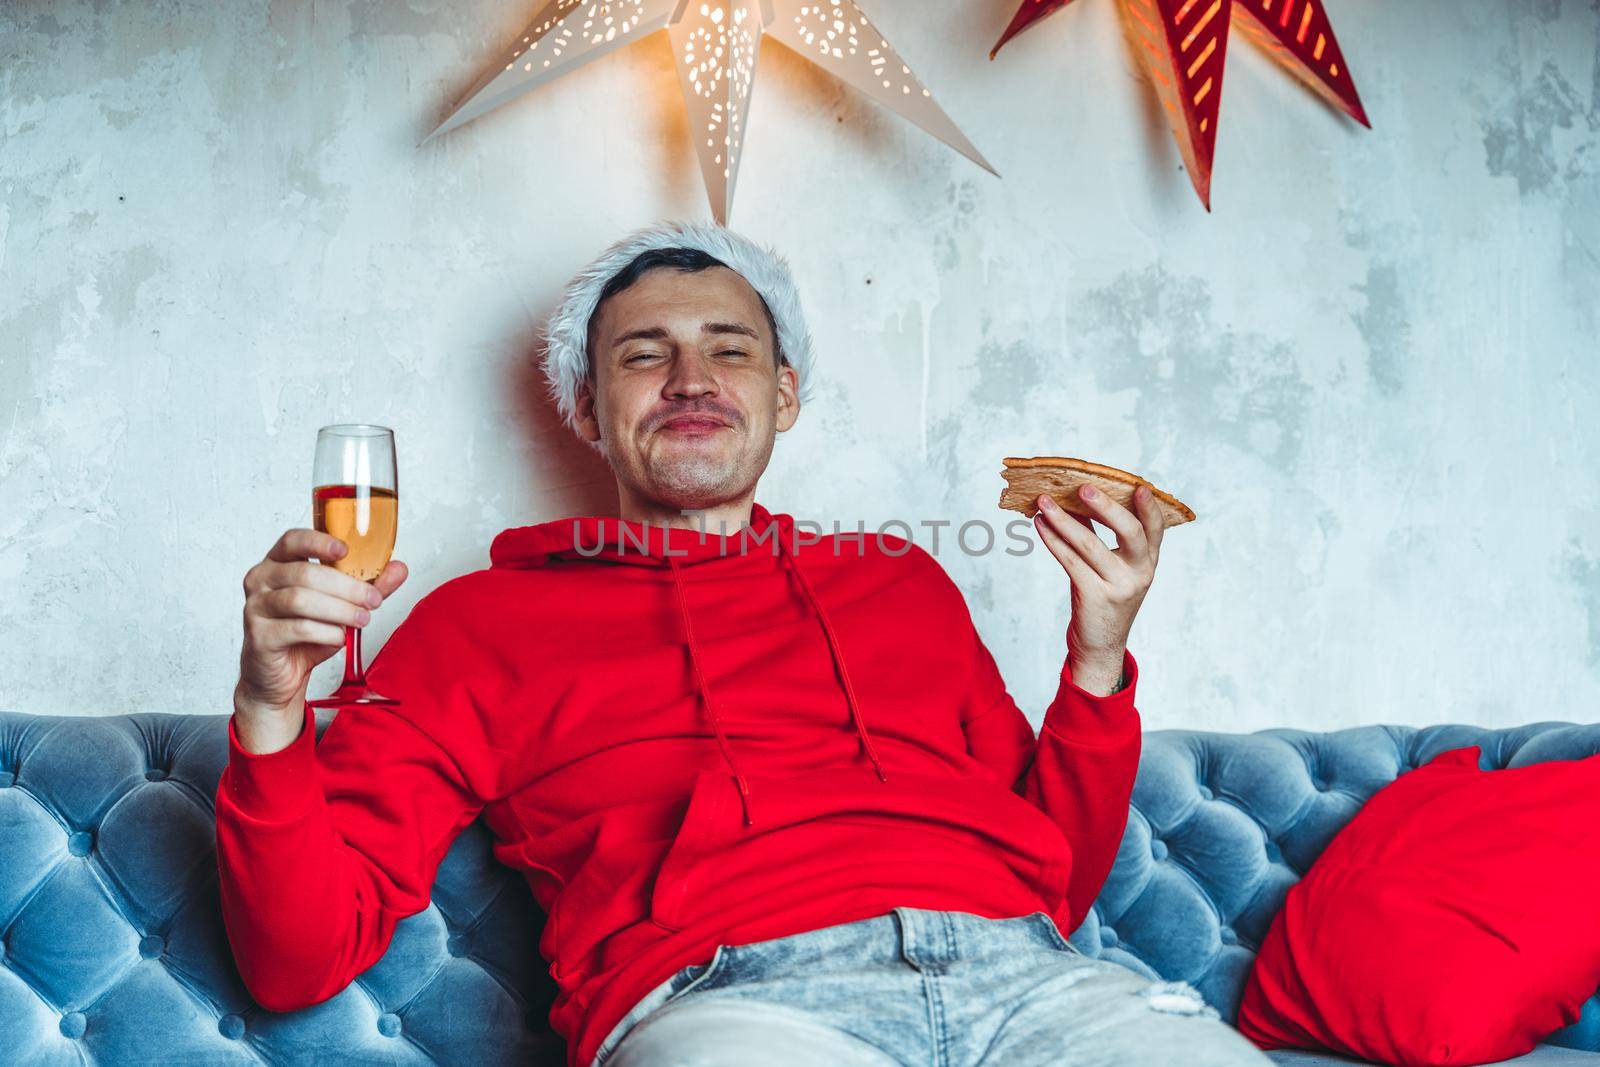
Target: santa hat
x,y
566,333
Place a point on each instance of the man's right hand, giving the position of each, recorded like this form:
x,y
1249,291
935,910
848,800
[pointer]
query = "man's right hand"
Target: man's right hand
x,y
295,612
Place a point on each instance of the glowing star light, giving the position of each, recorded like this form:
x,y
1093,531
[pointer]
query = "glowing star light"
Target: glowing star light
x,y
715,44
1181,44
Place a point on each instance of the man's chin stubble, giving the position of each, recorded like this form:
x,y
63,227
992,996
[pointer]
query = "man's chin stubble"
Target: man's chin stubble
x,y
692,477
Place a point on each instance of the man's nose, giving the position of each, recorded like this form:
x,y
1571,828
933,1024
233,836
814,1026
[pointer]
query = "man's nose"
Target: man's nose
x,y
691,375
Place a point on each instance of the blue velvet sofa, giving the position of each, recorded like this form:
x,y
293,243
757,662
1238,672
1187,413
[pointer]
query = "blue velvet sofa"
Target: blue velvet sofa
x,y
112,948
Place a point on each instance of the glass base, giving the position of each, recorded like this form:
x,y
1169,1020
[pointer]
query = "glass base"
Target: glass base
x,y
352,694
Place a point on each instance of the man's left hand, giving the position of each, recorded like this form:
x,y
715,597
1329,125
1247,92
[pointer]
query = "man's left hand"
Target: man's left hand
x,y
1108,585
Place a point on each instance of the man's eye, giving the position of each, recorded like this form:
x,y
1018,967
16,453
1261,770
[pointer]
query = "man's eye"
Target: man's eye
x,y
733,352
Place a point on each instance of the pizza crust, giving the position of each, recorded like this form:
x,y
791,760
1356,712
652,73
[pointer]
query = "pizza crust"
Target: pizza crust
x,y
1060,477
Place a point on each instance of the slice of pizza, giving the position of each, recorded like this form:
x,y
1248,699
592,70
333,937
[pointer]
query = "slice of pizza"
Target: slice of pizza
x,y
1060,477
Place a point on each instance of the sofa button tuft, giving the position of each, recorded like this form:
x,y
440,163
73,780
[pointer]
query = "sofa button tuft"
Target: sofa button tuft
x,y
73,1024
1108,937
389,1024
231,1026
154,774
456,945
152,946
1228,936
80,843
1206,793
1158,849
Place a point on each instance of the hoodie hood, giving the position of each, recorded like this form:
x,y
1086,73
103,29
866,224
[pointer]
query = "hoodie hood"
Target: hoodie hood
x,y
592,538
603,540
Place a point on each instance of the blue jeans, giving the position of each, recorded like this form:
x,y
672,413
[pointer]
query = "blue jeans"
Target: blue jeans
x,y
924,988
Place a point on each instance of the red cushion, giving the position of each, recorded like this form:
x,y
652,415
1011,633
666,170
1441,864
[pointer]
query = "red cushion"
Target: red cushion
x,y
1454,920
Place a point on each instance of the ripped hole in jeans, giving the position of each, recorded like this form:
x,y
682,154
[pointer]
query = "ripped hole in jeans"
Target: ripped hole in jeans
x,y
1177,998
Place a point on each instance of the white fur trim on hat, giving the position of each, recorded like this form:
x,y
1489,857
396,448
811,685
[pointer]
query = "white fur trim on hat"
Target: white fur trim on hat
x,y
566,332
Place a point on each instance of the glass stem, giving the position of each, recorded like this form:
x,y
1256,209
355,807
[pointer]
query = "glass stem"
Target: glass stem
x,y
354,675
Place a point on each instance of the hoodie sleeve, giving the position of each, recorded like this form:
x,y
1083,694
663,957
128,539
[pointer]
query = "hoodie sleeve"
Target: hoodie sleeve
x,y
324,846
1079,770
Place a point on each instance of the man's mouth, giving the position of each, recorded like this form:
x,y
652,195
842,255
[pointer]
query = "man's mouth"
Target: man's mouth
x,y
693,425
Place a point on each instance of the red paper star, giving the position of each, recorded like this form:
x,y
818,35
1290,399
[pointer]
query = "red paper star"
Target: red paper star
x,y
1182,43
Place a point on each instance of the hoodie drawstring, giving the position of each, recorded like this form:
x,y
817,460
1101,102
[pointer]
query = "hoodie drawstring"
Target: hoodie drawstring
x,y
833,648
838,658
705,693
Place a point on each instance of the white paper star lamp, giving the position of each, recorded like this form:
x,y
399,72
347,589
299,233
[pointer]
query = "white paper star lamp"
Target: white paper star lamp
x,y
715,44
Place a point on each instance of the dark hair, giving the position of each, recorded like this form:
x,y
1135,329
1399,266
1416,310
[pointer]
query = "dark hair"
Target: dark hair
x,y
686,260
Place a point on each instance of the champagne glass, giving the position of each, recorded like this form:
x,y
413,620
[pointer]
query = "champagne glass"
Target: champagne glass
x,y
355,496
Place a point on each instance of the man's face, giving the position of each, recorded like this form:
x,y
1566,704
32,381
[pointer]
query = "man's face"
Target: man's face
x,y
683,388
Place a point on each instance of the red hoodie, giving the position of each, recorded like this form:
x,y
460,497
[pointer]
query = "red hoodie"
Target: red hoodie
x,y
680,740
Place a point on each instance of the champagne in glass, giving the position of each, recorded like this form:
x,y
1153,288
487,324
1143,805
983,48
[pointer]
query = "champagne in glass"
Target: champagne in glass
x,y
355,496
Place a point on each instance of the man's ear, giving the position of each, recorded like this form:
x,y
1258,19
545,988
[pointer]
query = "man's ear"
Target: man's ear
x,y
583,405
788,397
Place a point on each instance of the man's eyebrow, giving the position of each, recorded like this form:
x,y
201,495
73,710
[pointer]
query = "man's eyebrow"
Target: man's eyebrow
x,y
658,333
729,327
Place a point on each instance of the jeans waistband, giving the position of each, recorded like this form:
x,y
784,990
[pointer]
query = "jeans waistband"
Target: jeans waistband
x,y
927,939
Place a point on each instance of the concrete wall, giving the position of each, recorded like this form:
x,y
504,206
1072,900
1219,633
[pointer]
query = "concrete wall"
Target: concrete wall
x,y
1372,369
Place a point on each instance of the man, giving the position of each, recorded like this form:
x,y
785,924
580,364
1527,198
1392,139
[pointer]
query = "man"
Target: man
x,y
770,789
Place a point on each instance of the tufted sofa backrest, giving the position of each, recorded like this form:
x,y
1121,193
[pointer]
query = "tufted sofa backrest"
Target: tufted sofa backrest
x,y
112,947
1223,824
